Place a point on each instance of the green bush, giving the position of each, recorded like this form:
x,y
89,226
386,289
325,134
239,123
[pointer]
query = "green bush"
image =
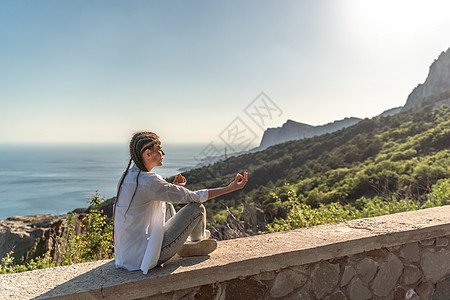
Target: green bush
x,y
439,195
303,215
95,243
7,264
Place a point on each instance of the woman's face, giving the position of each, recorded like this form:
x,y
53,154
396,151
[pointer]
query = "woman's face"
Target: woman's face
x,y
157,154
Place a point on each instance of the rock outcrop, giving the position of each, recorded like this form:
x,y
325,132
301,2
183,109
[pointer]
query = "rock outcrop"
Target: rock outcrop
x,y
438,80
32,236
255,218
292,130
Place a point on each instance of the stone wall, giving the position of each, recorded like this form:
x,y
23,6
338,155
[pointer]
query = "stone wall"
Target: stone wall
x,y
419,270
400,256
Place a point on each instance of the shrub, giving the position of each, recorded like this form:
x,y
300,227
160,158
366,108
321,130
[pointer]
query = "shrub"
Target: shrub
x,y
95,243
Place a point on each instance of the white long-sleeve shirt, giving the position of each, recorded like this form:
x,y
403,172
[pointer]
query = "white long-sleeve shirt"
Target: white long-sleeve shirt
x,y
139,233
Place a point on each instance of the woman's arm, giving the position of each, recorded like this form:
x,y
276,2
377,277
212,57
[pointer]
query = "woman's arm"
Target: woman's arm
x,y
238,183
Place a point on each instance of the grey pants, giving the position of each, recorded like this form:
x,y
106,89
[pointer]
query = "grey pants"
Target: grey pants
x,y
190,220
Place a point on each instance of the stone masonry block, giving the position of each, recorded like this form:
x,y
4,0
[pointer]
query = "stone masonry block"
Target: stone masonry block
x,y
358,291
425,290
367,269
387,276
410,252
210,291
399,293
244,289
349,273
442,290
411,274
338,295
441,242
324,278
302,294
286,282
435,264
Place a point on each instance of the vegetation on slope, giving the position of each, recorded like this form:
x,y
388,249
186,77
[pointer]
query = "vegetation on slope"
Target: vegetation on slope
x,y
401,155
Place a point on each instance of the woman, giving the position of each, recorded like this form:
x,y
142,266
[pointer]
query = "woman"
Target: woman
x,y
147,231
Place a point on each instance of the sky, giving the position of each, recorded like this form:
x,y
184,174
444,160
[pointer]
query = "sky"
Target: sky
x,y
98,71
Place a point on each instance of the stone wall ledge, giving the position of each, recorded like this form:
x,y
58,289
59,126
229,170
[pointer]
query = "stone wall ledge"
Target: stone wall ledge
x,y
233,259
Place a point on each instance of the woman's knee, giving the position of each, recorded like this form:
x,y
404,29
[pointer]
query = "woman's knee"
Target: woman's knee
x,y
197,208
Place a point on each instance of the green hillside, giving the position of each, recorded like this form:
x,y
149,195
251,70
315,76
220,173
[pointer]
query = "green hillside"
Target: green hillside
x,y
396,158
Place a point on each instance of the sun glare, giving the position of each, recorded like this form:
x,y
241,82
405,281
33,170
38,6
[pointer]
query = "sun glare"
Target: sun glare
x,y
391,19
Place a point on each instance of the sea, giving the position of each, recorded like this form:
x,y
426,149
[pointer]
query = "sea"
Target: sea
x,y
56,179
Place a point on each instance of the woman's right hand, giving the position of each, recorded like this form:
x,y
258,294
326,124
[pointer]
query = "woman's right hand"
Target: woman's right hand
x,y
179,180
239,182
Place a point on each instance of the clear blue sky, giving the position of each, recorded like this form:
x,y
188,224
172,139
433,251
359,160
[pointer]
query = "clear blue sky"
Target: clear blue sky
x,y
97,71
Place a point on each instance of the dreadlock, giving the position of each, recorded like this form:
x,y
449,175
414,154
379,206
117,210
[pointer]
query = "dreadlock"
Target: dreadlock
x,y
140,142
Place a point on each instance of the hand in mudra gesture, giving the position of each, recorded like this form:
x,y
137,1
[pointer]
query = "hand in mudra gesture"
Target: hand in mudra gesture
x,y
179,180
239,182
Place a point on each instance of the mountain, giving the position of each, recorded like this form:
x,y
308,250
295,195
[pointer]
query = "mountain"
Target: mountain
x,y
435,91
292,130
390,112
438,80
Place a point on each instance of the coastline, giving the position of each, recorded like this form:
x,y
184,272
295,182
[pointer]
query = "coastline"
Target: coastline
x,y
58,178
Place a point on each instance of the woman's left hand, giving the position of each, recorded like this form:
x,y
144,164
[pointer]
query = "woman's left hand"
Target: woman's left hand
x,y
239,182
179,180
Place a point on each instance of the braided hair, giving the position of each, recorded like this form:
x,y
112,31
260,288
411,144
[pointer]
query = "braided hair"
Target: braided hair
x,y
140,142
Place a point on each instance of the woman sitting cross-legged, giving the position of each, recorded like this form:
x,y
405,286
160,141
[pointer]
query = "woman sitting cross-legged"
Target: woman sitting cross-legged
x,y
147,230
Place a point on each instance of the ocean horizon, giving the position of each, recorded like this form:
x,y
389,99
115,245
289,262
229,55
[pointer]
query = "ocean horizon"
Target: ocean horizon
x,y
57,178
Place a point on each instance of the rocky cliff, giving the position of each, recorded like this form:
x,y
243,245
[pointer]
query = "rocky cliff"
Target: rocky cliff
x,y
32,236
438,80
292,130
